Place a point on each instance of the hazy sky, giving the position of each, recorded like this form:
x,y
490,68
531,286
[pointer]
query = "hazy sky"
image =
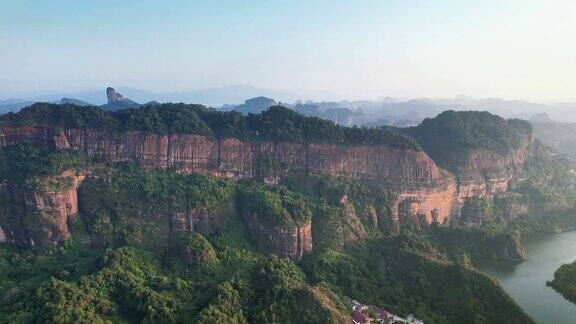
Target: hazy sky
x,y
513,49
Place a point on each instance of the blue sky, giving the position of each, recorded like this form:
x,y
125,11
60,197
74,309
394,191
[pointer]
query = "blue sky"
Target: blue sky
x,y
510,48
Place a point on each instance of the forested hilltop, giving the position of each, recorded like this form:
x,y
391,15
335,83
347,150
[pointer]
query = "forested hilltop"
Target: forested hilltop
x,y
565,281
96,239
277,123
452,136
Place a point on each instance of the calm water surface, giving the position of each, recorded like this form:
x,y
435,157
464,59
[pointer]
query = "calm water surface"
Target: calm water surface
x,y
526,281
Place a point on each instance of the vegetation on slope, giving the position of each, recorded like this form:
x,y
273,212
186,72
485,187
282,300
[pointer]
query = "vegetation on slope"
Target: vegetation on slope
x,y
278,207
127,206
551,180
76,283
118,268
565,281
449,137
132,276
20,163
277,123
413,274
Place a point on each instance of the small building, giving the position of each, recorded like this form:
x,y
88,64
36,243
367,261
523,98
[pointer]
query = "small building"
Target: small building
x,y
359,318
383,316
354,304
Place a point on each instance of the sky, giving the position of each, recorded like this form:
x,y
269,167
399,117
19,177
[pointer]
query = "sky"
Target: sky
x,y
522,49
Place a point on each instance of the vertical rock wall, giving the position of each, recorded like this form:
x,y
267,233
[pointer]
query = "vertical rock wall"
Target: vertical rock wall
x,y
38,217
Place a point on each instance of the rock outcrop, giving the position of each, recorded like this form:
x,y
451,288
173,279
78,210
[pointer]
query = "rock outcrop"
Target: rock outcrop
x,y
486,173
112,95
30,217
116,101
482,150
508,248
410,172
203,221
163,222
290,242
422,206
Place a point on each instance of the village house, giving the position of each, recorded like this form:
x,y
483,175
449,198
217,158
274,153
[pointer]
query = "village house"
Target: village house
x,y
359,318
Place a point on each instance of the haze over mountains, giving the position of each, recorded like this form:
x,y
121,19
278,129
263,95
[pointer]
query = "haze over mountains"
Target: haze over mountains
x,y
386,110
213,96
554,124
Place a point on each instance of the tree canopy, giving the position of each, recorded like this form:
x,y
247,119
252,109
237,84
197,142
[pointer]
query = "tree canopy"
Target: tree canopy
x,y
277,123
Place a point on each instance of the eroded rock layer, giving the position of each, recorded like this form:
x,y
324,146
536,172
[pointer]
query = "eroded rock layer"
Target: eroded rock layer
x,y
290,242
487,173
30,217
411,171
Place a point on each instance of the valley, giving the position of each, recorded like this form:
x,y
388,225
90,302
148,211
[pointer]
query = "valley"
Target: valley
x,y
120,208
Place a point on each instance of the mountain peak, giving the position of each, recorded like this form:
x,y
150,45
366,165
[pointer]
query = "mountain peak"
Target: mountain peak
x,y
112,95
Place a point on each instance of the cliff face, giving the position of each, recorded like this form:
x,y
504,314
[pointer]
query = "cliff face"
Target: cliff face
x,y
411,172
423,206
290,242
486,173
30,217
240,159
203,221
152,224
37,136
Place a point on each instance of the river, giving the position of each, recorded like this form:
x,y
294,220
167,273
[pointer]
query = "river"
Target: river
x,y
526,281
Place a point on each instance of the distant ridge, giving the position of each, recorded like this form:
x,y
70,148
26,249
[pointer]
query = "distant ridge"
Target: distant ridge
x,y
74,102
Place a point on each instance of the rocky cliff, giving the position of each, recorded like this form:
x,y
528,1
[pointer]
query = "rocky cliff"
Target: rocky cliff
x,y
485,174
112,95
116,101
482,150
238,159
39,216
410,171
290,242
152,210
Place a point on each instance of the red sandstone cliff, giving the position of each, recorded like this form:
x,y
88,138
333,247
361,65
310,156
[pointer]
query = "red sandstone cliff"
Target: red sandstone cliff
x,y
487,173
411,172
31,217
239,159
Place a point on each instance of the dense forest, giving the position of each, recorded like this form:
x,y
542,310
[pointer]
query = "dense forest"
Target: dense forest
x,y
277,123
124,263
449,137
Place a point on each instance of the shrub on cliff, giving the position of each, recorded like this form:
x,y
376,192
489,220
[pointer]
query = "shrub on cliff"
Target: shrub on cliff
x,y
477,210
225,308
283,124
67,115
273,206
22,162
194,248
139,205
165,119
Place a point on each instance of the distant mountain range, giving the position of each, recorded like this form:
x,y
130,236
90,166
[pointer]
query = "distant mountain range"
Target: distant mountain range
x,y
17,104
558,135
384,111
405,113
213,97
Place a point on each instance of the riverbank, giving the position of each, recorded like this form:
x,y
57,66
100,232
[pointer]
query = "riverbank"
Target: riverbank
x,y
526,281
565,281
